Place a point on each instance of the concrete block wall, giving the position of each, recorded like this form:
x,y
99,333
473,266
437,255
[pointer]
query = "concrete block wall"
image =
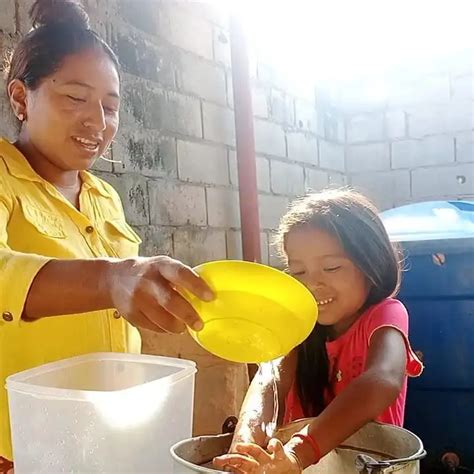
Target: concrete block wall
x,y
178,130
417,142
175,159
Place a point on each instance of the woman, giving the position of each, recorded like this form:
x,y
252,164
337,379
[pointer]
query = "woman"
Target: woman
x,y
65,247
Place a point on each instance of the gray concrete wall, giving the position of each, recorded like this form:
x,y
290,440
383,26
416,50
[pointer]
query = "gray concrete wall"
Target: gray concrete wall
x,y
414,143
177,170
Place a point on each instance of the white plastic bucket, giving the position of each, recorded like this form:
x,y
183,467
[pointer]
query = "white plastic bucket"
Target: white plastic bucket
x,y
105,412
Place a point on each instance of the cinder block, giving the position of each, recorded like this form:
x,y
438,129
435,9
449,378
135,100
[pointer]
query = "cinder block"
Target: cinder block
x,y
302,147
132,107
456,116
282,107
465,147
172,111
272,209
142,14
337,180
221,46
316,180
259,102
156,240
133,192
7,18
269,138
223,207
375,127
435,150
386,189
395,124
202,78
373,157
23,17
149,153
366,128
185,30
176,204
219,125
154,62
334,126
456,180
202,163
331,156
287,178
307,118
194,246
429,89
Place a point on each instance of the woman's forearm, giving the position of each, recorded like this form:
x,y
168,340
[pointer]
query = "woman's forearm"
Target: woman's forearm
x,y
64,287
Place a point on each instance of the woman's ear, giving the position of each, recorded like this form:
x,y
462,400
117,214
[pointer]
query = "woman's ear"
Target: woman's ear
x,y
17,94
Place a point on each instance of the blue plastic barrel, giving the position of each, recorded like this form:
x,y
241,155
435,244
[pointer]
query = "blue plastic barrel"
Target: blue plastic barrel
x,y
438,289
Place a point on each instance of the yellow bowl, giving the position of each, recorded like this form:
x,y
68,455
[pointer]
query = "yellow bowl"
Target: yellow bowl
x,y
259,313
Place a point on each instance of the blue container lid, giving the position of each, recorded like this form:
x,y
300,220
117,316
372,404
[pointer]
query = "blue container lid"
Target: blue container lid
x,y
433,220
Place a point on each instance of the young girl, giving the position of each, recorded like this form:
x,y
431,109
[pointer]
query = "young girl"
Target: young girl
x,y
353,367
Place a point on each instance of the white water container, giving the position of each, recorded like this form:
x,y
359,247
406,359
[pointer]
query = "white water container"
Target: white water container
x,y
104,412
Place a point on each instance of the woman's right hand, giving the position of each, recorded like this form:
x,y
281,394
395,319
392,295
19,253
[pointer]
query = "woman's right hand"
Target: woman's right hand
x,y
145,291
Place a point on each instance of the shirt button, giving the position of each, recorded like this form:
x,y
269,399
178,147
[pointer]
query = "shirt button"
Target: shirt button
x,y
116,314
89,229
7,316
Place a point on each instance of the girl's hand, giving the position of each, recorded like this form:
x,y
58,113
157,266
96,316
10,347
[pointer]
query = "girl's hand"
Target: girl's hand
x,y
252,459
146,292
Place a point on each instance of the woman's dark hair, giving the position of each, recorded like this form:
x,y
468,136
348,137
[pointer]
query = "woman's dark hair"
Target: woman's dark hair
x,y
353,220
60,28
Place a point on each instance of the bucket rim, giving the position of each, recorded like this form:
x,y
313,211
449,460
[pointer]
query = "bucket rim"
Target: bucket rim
x,y
190,465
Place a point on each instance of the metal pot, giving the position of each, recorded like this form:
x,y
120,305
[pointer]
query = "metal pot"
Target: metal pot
x,y
376,448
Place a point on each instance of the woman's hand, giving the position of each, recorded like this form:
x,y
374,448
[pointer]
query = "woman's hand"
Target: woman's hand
x,y
146,292
252,459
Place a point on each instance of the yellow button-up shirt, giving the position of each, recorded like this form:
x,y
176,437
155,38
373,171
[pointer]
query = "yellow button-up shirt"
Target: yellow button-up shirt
x,y
37,224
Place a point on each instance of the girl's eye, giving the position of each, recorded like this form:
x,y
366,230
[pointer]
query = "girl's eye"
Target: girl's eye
x,y
332,269
297,273
76,99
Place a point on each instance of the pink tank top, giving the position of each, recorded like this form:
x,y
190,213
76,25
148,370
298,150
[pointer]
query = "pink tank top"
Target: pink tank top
x,y
348,354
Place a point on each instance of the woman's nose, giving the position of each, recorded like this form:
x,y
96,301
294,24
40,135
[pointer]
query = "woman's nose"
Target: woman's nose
x,y
95,119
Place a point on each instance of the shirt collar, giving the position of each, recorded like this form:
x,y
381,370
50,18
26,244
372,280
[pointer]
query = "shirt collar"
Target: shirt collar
x,y
16,163
19,167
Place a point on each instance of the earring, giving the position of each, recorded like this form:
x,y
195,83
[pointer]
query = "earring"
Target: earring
x,y
21,117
